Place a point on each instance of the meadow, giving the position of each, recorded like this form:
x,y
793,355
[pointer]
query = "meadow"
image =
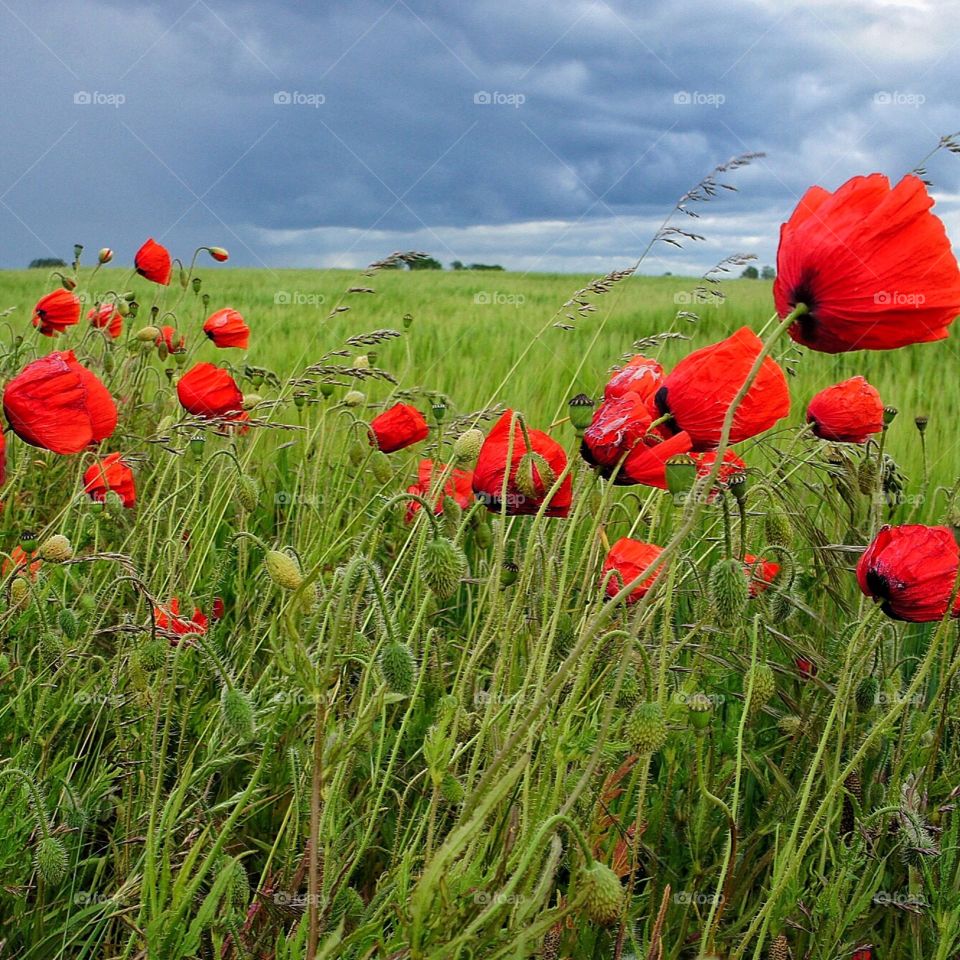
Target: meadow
x,y
393,732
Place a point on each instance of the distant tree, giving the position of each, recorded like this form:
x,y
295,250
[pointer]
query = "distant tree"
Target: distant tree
x,y
750,273
456,265
484,266
667,273
768,273
46,263
426,263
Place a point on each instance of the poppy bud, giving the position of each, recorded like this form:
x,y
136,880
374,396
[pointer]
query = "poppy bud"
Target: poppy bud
x,y
250,400
602,893
67,620
779,948
51,647
483,535
380,467
353,398
326,389
646,729
153,653
398,667
147,334
362,362
790,725
68,283
764,684
777,526
442,567
55,549
237,714
19,593
866,695
283,570
699,710
534,476
681,472
729,591
218,254
51,860
581,412
105,255
466,448
248,493
921,422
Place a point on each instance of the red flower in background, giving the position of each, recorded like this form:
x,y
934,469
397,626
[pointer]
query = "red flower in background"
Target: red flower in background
x,y
873,265
761,572
863,953
226,328
209,391
492,466
700,389
166,339
647,462
459,487
731,466
217,609
57,404
111,473
640,376
3,458
806,667
56,311
19,558
629,558
911,571
169,618
106,317
396,428
617,427
847,412
153,262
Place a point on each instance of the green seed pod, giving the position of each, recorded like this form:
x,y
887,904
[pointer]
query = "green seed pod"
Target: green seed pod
x,y
780,605
19,593
777,527
353,398
681,474
51,859
68,622
442,567
483,535
239,885
55,549
729,592
602,894
466,448
868,475
866,695
646,729
509,573
237,714
51,647
451,790
699,711
398,667
283,570
764,686
380,467
357,452
248,492
153,653
581,412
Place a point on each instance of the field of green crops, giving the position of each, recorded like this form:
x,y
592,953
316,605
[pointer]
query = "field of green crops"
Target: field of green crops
x,y
360,755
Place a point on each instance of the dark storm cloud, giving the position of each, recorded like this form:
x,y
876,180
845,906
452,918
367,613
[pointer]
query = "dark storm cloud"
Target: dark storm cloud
x,y
540,135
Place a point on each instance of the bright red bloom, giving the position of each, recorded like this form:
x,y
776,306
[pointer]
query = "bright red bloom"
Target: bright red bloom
x,y
166,339
492,466
732,466
640,375
617,427
862,953
153,262
107,317
57,404
459,487
111,473
629,558
169,618
806,667
399,427
847,412
699,390
217,609
911,569
56,311
209,391
761,572
226,328
873,265
647,464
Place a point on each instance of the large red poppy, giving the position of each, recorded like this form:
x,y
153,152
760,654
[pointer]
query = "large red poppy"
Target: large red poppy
x,y
872,264
640,375
699,390
57,404
492,466
847,412
209,391
617,427
168,618
106,317
911,571
459,487
400,426
56,311
153,262
111,473
629,558
647,463
227,328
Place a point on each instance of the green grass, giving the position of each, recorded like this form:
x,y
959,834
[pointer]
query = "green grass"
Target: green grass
x,y
460,758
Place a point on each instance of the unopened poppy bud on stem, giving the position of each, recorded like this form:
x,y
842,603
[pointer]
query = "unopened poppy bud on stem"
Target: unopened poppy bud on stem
x,y
353,398
218,254
147,334
534,476
283,570
466,448
105,255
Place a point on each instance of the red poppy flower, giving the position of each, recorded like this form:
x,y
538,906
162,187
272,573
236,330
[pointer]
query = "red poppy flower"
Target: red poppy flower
x,y
732,466
491,470
153,262
911,570
57,404
209,391
459,487
761,573
19,558
629,558
219,254
169,618
217,609
640,375
647,463
396,428
111,473
56,311
3,458
806,667
226,328
107,317
873,265
699,390
166,339
617,427
862,953
847,412
235,424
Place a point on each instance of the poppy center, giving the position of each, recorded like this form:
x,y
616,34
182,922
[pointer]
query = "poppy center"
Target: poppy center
x,y
663,408
807,322
878,585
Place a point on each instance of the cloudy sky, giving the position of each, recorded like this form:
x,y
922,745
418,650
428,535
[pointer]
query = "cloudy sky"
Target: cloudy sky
x,y
540,135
